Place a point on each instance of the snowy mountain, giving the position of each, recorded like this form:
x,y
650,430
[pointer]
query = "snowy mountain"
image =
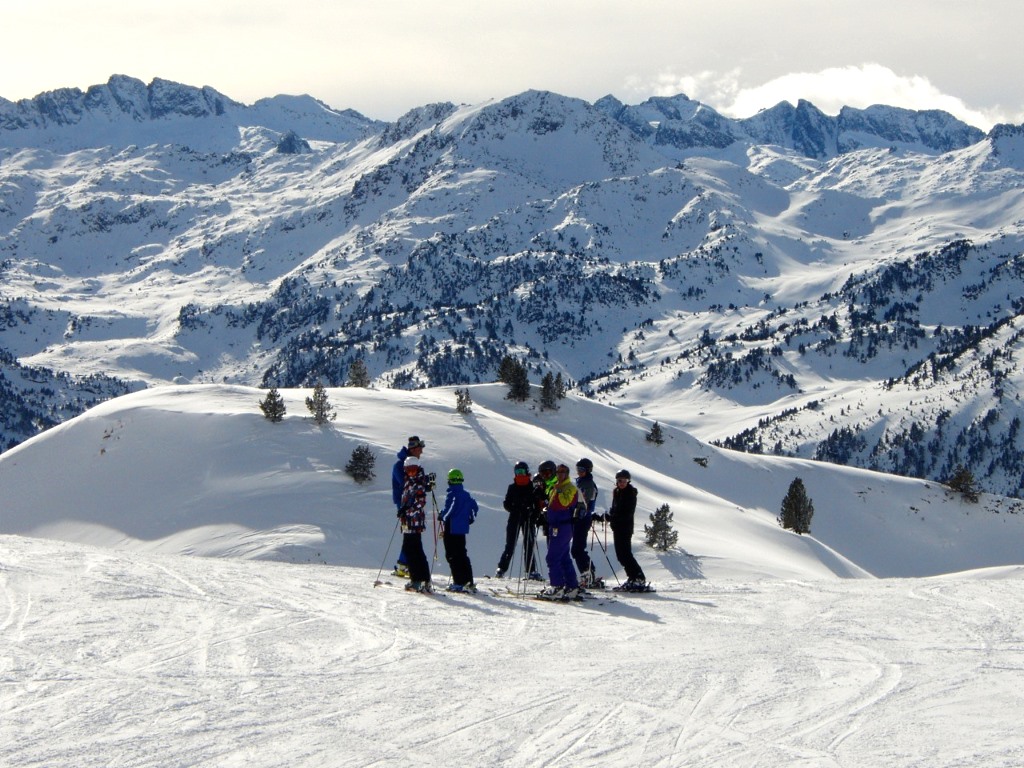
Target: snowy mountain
x,y
843,288
760,645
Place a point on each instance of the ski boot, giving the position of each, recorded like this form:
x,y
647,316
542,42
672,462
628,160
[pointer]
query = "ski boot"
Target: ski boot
x,y
551,593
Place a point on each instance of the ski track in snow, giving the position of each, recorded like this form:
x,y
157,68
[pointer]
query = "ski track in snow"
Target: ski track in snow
x,y
131,659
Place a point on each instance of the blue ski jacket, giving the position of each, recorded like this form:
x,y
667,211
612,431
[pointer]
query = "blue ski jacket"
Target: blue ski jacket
x,y
588,493
459,510
398,477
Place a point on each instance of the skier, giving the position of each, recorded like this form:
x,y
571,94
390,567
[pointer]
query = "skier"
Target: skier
x,y
582,522
413,447
561,507
545,477
543,483
620,517
412,514
460,510
521,505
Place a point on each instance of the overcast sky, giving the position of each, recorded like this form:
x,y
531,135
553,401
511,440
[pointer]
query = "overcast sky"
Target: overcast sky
x,y
384,57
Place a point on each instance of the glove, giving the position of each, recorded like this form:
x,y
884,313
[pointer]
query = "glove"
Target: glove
x,y
400,514
598,518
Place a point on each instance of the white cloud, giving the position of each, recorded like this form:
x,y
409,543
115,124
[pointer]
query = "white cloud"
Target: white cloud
x,y
829,89
709,87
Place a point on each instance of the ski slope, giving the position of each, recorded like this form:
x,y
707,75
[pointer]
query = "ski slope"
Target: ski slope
x,y
119,646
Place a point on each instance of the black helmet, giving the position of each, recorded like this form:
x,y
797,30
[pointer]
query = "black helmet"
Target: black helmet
x,y
521,468
623,474
547,466
586,464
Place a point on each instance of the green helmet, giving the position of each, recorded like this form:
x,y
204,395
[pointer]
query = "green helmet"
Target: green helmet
x,y
455,476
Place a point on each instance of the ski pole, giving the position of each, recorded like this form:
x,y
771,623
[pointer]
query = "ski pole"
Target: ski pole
x,y
542,543
437,522
538,557
378,582
604,548
523,565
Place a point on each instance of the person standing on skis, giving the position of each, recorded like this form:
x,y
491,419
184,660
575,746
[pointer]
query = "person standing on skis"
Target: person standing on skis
x,y
561,508
413,517
460,510
582,522
620,517
543,483
413,447
521,505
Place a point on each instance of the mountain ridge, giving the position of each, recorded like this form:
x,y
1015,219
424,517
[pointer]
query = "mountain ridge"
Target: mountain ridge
x,y
761,295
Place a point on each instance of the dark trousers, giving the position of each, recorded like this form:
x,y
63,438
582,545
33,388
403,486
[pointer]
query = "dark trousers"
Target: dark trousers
x,y
580,535
415,557
517,522
458,559
401,553
623,536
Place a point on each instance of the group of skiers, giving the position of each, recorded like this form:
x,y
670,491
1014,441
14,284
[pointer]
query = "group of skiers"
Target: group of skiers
x,y
549,501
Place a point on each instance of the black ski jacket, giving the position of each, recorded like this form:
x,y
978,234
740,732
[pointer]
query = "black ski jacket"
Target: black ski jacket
x,y
623,507
520,500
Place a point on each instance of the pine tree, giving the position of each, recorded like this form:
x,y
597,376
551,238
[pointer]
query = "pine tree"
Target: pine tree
x,y
358,375
560,386
360,465
518,381
320,406
463,402
797,508
273,405
548,393
655,435
963,483
659,533
507,369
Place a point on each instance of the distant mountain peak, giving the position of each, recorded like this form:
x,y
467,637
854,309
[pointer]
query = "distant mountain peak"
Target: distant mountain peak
x,y
680,123
126,110
121,96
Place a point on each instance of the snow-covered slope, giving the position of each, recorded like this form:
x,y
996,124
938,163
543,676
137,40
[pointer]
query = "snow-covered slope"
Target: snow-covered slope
x,y
116,647
199,470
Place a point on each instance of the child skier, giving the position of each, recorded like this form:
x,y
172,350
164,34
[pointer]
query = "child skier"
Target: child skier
x,y
460,510
620,517
561,507
413,517
521,504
